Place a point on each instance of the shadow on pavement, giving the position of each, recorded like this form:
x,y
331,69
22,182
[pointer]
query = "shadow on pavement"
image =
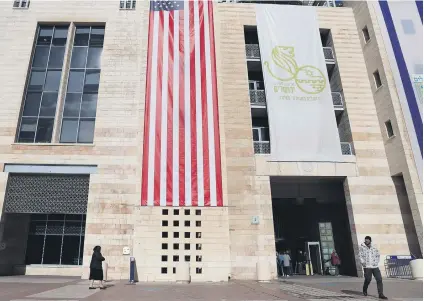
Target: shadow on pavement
x,y
349,292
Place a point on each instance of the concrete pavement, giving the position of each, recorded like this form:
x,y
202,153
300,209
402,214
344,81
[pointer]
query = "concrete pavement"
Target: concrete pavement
x,y
300,288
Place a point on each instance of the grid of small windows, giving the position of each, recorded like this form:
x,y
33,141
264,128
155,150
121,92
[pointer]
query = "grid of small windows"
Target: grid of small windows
x,y
127,4
182,239
43,85
79,113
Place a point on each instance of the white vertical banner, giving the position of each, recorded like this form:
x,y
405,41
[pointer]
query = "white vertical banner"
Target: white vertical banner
x,y
300,107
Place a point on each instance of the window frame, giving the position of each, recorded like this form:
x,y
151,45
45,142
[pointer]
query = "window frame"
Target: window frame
x,y
45,69
366,34
21,4
123,4
86,70
58,47
389,129
377,79
260,129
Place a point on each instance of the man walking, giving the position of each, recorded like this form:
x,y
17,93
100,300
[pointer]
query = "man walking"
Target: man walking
x,y
370,258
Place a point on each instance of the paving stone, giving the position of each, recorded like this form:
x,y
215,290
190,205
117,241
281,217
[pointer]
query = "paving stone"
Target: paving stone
x,y
69,291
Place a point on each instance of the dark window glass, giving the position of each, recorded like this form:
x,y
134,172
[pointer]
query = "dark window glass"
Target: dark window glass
x,y
52,249
255,135
52,80
41,56
38,227
45,35
89,105
48,104
54,239
265,134
82,35
69,131
81,247
27,131
36,81
56,57
72,228
79,56
74,217
36,252
32,104
72,105
59,37
86,131
16,3
97,36
44,130
92,78
76,80
69,251
43,85
94,55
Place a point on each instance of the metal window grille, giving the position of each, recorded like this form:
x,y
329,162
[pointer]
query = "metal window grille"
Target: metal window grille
x,y
329,54
337,99
21,3
257,97
262,147
127,4
252,51
346,148
67,194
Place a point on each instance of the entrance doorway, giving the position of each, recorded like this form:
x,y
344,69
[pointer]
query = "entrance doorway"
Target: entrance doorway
x,y
311,221
314,257
43,221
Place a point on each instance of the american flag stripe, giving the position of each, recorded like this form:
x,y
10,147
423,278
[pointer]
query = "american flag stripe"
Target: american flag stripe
x,y
217,151
181,153
181,130
193,92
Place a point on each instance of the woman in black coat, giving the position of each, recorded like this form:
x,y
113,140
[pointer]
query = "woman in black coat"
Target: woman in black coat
x,y
96,269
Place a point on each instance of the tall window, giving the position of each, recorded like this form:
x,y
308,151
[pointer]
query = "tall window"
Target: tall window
x,y
56,239
79,112
42,90
49,114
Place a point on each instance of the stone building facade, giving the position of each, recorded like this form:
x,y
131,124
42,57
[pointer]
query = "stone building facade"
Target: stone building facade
x,y
219,243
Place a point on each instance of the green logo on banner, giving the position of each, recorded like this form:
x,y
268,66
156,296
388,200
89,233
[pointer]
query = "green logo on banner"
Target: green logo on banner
x,y
308,79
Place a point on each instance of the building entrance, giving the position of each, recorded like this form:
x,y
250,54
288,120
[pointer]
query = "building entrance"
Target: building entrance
x,y
43,221
310,222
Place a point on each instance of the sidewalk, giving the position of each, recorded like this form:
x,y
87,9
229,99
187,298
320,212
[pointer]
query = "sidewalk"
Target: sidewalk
x,y
27,288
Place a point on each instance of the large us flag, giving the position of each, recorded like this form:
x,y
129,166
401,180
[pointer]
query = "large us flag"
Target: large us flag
x,y
181,151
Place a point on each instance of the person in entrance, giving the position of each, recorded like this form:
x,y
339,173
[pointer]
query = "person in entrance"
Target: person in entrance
x,y
335,262
286,261
370,258
96,269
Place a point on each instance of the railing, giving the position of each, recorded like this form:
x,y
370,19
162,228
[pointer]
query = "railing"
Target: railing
x,y
261,147
329,54
257,97
337,100
398,266
346,148
252,51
